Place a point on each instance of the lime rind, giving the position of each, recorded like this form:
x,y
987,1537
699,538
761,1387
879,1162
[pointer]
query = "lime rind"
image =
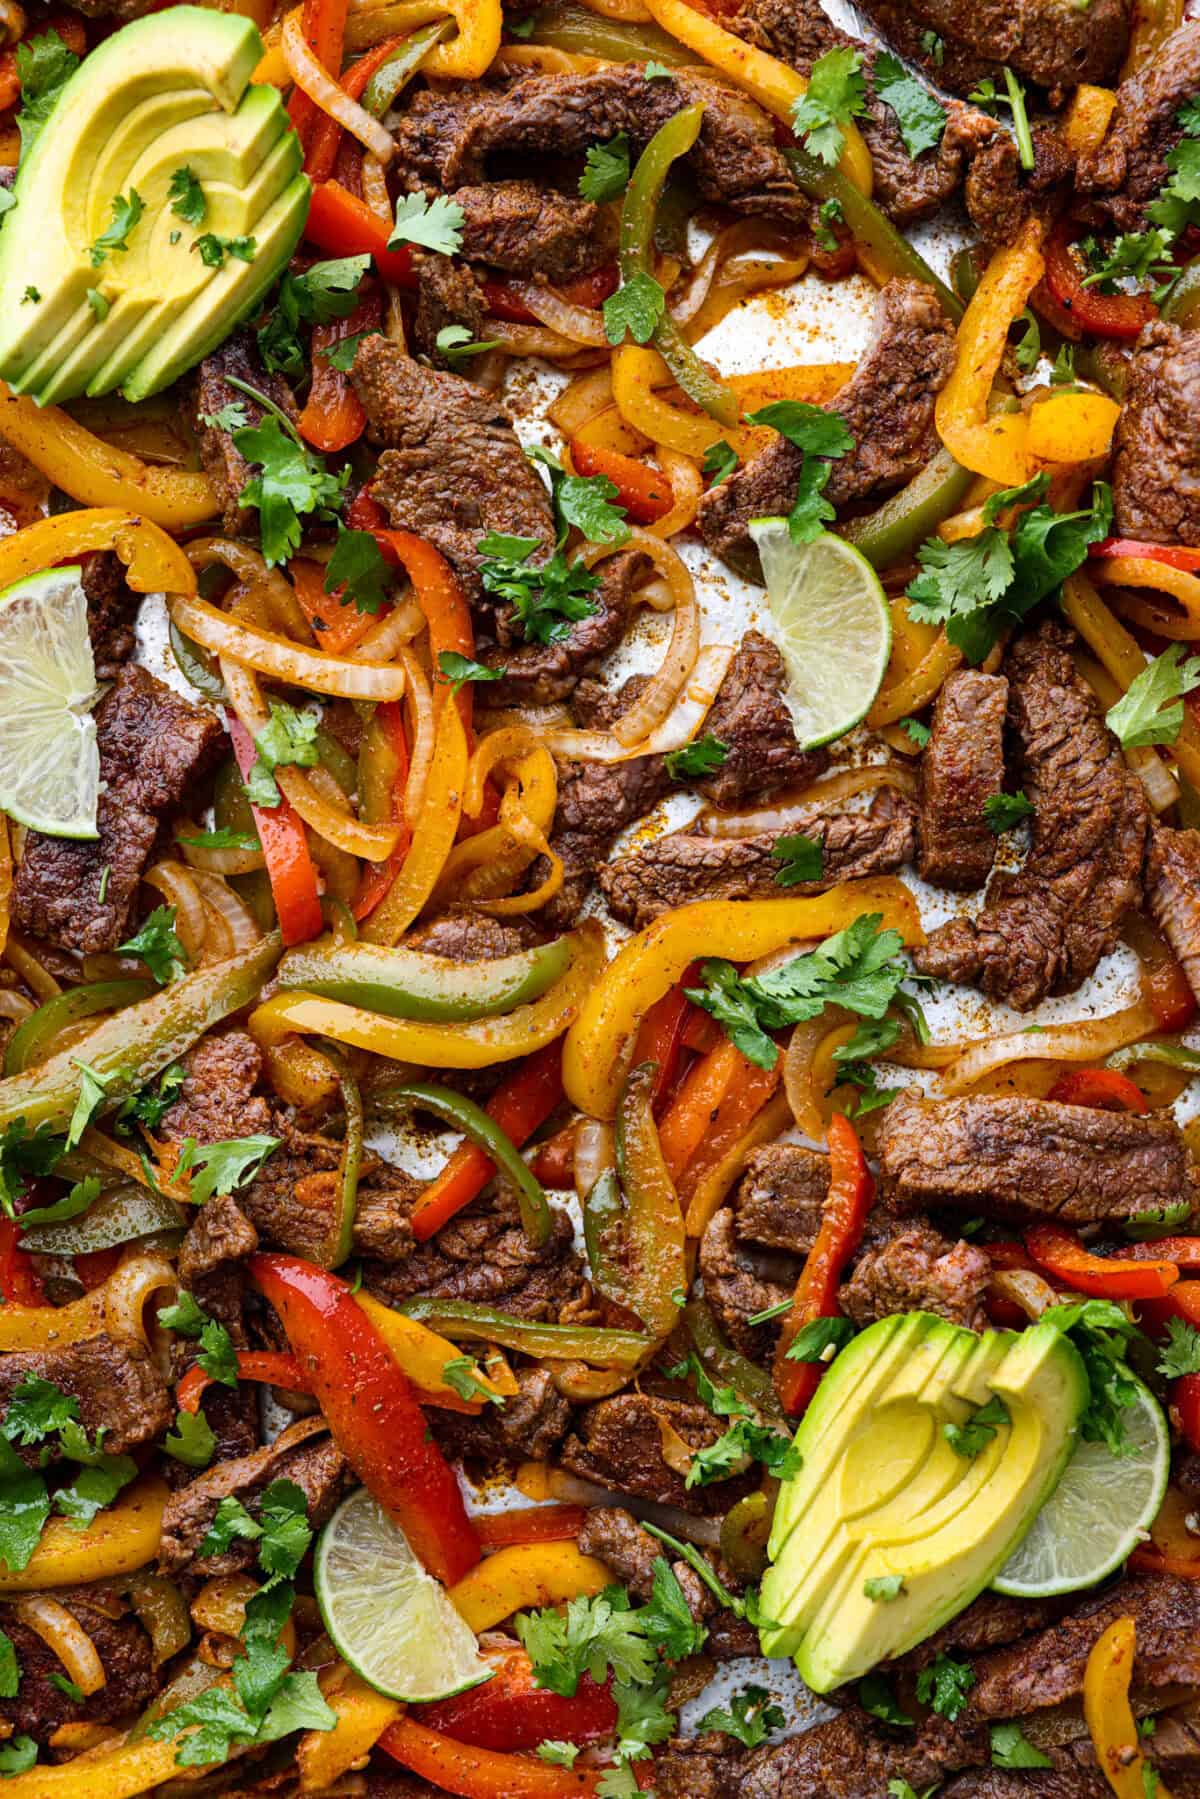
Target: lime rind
x,y
386,1617
49,760
1098,1513
828,615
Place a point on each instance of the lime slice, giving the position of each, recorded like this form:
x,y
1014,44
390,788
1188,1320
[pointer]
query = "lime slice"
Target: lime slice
x,y
1099,1511
385,1615
49,763
829,617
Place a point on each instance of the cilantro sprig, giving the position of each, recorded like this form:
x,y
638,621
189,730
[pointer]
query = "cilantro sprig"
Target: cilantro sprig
x,y
837,94
821,437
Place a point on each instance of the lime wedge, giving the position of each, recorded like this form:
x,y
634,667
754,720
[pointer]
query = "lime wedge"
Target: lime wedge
x,y
829,617
49,763
385,1615
1099,1511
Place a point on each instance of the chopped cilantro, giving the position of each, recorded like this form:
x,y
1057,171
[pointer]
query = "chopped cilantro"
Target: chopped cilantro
x,y
1010,1749
289,739
460,1374
214,249
921,119
187,196
720,460
837,93
1001,811
1151,710
883,1587
125,215
750,1718
915,731
10,1673
455,342
327,291
944,1685
606,169
547,597
703,756
972,1438
19,1753
223,1166
814,1340
1181,1352
876,1695
293,482
44,66
82,1196
800,859
560,1754
99,305
191,1441
819,436
158,947
431,224
635,309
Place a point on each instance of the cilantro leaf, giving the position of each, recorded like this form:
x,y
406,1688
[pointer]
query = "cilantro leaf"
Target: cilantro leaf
x,y
586,501
185,1316
703,756
286,1532
454,342
455,670
945,1684
341,355
99,305
958,578
1010,1749
1028,351
327,291
547,596
214,248
230,1521
921,119
73,1204
816,433
288,739
1063,372
883,1587
191,1441
18,1754
606,169
158,947
91,1097
125,215
293,483
1181,1352
1151,710
642,1716
24,1508
744,1441
93,1488
187,196
460,1374
720,460
666,1618
217,1356
876,1695
636,308
750,1718
358,569
560,1754
1001,811
1101,1333
10,1673
230,417
972,1438
431,224
593,1635
819,1335
837,93
224,1166
24,1156
915,731
44,66
800,859
37,1409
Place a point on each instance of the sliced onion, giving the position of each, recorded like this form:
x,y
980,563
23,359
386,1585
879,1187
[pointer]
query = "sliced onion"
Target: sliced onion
x,y
1024,1288
580,324
527,340
422,731
65,1637
798,1084
677,1453
251,568
177,885
594,1153
127,1295
687,490
538,718
1088,1040
687,715
374,185
38,979
788,812
239,921
586,397
581,1384
217,862
14,1005
283,660
1162,789
388,636
314,80
663,688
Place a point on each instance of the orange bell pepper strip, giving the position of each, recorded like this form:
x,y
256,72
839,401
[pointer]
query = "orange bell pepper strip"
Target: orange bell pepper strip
x,y
374,1418
444,605
749,1092
1173,1548
843,1218
1104,1089
1061,1254
1181,1301
274,1366
1184,1252
334,417
326,132
1102,315
520,1105
644,492
995,446
1121,549
475,1773
433,834
532,1524
337,626
1108,1714
510,1711
344,225
289,865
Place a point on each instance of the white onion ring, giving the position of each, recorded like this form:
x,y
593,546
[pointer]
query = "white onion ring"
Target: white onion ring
x,y
374,186
797,1069
127,1293
787,814
65,1637
423,736
686,717
237,918
579,324
1088,1040
14,1005
1162,789
250,567
594,1153
1026,1289
281,659
663,688
314,80
178,887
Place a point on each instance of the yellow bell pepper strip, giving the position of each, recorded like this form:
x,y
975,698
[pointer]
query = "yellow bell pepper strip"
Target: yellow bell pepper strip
x,y
996,446
154,563
464,58
651,962
527,1574
433,837
1086,118
52,1327
405,983
582,32
472,1044
323,1756
772,83
652,1223
127,1050
1072,427
117,1773
97,474
120,1539
1109,1716
423,1355
597,1345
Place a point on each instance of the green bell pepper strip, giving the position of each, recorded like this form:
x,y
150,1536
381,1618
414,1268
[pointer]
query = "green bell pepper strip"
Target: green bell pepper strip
x,y
965,273
128,1050
726,1367
465,1116
1182,304
744,1532
341,1233
893,531
583,33
669,143
462,1319
605,1220
198,669
653,1248
336,761
392,77
1155,1049
869,227
406,983
121,1215
28,1042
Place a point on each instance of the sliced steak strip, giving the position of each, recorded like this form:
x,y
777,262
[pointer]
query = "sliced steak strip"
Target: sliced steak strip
x,y
848,1758
217,1100
616,1537
224,463
673,870
220,1291
527,229
618,1444
153,746
1048,42
916,1269
538,674
483,1255
779,1199
111,609
989,1622
220,1233
1156,465
750,716
447,295
1037,1783
463,936
290,1203
119,1389
1044,929
125,1652
596,802
962,764
528,1426
1173,894
887,405
1130,165
737,1290
1028,1159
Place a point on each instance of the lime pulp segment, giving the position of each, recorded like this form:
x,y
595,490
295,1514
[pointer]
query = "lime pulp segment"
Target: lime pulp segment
x,y
49,762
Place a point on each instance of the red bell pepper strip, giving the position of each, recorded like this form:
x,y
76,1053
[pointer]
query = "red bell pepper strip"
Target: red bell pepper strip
x,y
1183,1251
345,226
327,133
334,417
554,1163
1183,1301
20,1282
843,1218
644,492
324,26
475,1773
94,1266
519,1106
274,1366
336,626
1061,1254
289,864
532,1524
1103,315
444,605
375,1420
378,876
505,299
1174,555
511,1712
661,1038
1185,1398
1103,1089
366,514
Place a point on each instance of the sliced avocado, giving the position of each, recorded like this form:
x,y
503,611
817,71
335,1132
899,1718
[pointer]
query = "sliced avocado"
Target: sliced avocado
x,y
883,1494
168,92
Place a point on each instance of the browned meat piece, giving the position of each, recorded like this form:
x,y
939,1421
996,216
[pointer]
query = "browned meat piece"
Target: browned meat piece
x,y
483,1255
619,1445
111,609
383,1221
596,801
849,1759
290,1203
217,1100
224,463
737,1287
750,716
1038,1783
538,674
1156,465
916,1269
1030,1159
40,1706
1048,42
470,937
527,1427
386,1785
153,747
1130,165
962,764
987,1623
888,407
119,1390
303,1453
220,1233
1173,894
531,230
616,1537
452,467
673,870
1047,1670
780,1197
704,1767
447,294
1044,929
1000,194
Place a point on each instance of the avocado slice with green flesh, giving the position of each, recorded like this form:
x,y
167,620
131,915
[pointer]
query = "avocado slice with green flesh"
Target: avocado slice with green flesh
x,y
169,91
882,1493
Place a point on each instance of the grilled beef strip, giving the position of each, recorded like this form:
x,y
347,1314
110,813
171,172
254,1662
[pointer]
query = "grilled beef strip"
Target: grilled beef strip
x,y
916,1269
990,1622
483,1255
217,1099
751,718
39,1706
529,1426
463,936
1173,894
596,802
617,1443
961,765
119,1389
616,1537
1044,929
1036,1783
1116,180
1025,1160
447,295
111,609
1156,460
526,228
221,1234
779,1200
538,674
210,391
1046,42
751,1252
739,1284
154,746
888,407
290,1202
848,1757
